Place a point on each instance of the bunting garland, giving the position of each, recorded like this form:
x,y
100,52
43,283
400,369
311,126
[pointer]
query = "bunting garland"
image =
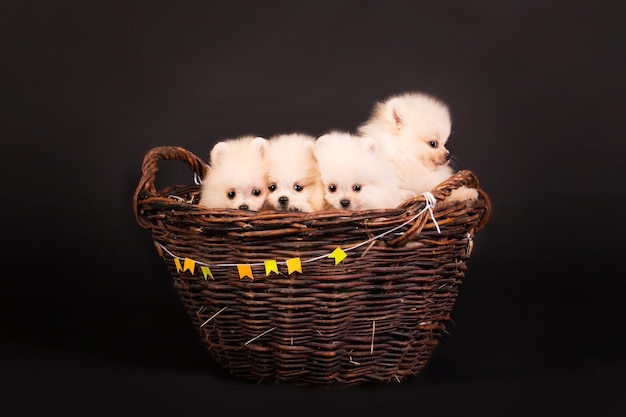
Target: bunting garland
x,y
293,264
245,270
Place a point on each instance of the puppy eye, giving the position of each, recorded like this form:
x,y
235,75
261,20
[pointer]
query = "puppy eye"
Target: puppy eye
x,y
433,143
231,194
272,188
356,187
298,187
256,193
332,188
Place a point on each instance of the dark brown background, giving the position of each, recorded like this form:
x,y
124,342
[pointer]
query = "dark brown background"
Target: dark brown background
x,y
90,322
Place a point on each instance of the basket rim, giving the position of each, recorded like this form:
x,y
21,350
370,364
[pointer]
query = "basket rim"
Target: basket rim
x,y
146,193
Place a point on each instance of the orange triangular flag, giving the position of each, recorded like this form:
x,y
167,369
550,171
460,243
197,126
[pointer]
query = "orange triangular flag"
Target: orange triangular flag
x,y
178,265
245,270
159,250
190,265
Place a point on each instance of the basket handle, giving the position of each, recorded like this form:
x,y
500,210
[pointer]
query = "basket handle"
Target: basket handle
x,y
469,179
461,178
488,209
146,189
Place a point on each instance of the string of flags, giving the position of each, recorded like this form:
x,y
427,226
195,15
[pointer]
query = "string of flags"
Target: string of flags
x,y
245,270
293,264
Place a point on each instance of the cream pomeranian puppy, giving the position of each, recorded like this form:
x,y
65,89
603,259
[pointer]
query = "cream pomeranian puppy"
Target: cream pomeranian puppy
x,y
237,175
294,181
413,129
355,174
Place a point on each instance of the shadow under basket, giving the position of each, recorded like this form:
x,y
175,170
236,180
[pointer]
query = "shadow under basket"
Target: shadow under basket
x,y
320,298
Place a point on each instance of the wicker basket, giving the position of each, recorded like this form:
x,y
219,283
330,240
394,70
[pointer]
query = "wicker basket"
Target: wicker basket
x,y
328,297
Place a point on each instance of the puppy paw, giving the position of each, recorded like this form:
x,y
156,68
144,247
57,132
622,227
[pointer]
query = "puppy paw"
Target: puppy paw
x,y
413,244
463,194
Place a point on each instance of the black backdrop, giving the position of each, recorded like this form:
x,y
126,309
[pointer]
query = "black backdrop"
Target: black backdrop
x,y
90,321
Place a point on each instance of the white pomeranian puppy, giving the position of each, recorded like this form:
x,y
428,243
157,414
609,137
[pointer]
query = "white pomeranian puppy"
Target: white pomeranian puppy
x,y
237,175
294,181
355,174
413,129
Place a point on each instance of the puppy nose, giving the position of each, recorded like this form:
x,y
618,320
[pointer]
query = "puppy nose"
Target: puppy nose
x,y
447,156
243,207
345,203
283,200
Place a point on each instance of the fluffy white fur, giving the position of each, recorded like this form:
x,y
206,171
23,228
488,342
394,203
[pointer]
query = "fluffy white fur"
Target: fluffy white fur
x,y
237,177
413,129
355,174
294,181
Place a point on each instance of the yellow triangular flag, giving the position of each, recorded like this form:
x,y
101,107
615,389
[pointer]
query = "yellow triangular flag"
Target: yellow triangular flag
x,y
245,270
178,265
293,265
190,265
206,272
271,266
338,254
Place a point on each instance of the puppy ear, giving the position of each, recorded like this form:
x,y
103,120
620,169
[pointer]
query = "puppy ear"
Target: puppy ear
x,y
370,144
323,139
260,145
390,112
309,145
218,151
394,113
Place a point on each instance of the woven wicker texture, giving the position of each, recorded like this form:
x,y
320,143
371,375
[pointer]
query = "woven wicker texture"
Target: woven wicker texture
x,y
375,316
